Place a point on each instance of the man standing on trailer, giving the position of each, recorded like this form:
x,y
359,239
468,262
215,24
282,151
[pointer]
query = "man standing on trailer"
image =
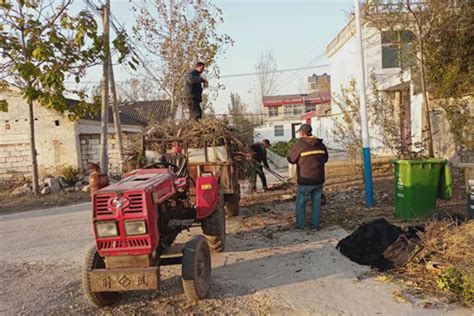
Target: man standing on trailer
x,y
310,155
259,155
193,87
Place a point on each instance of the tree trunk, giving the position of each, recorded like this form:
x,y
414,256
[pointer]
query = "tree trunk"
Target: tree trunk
x,y
116,115
34,162
426,100
104,161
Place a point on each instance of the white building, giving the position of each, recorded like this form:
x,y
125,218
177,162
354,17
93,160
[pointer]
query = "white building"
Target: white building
x,y
386,61
282,114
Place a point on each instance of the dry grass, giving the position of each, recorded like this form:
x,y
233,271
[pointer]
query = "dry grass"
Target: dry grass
x,y
444,262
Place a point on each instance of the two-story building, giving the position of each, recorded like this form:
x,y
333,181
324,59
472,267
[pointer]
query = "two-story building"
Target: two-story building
x,y
282,114
389,57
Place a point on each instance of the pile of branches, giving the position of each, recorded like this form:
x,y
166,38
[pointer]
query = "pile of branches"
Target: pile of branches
x,y
444,261
209,132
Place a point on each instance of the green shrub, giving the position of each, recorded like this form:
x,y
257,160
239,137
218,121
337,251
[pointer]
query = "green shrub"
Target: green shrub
x,y
71,174
454,281
282,148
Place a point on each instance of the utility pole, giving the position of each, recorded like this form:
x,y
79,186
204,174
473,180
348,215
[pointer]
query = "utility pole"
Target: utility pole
x,y
116,115
104,160
369,188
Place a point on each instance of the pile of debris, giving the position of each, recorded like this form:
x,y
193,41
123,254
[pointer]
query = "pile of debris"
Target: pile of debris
x,y
436,257
52,184
444,260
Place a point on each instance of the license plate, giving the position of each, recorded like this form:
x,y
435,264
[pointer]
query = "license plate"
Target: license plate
x,y
116,280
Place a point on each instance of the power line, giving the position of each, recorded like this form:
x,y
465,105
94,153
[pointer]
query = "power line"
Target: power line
x,y
274,71
248,73
280,85
144,62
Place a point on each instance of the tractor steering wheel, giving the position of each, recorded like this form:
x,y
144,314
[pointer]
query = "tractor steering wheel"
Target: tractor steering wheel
x,y
163,164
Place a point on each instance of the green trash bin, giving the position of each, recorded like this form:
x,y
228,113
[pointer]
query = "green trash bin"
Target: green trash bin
x,y
445,189
417,185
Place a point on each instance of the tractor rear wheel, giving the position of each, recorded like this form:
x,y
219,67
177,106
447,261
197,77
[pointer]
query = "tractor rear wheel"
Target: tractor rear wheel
x,y
196,269
232,204
213,228
92,261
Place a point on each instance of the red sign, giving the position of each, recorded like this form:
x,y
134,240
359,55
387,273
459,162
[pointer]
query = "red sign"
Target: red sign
x,y
275,101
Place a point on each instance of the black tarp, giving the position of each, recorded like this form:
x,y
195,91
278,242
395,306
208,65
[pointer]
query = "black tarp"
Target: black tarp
x,y
367,244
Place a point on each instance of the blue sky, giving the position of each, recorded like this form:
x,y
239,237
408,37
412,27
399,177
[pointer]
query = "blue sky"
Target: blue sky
x,y
296,31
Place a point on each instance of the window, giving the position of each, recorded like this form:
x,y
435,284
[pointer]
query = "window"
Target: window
x,y
279,130
309,108
293,109
273,111
397,49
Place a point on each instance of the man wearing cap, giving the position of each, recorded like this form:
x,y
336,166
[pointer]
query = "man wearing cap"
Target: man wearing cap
x,y
193,87
309,154
259,155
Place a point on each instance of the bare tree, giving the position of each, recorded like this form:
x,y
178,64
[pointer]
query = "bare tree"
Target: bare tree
x,y
140,90
243,120
267,77
176,34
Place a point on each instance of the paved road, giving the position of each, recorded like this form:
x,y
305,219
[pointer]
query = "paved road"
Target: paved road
x,y
264,270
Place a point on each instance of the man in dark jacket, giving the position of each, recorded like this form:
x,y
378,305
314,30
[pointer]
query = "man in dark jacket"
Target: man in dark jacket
x,y
193,91
259,155
309,155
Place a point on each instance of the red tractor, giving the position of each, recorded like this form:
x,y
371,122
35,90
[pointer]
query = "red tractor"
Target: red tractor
x,y
136,222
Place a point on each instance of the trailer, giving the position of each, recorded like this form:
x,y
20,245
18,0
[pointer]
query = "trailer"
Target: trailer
x,y
197,161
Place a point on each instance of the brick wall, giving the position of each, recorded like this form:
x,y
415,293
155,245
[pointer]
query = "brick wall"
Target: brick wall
x,y
56,142
90,149
15,161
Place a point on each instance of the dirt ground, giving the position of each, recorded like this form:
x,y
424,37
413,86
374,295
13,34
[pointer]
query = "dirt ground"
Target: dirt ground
x,y
10,204
346,198
268,268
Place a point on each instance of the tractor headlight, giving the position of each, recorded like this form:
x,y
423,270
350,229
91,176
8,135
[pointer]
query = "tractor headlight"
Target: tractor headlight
x,y
135,227
106,229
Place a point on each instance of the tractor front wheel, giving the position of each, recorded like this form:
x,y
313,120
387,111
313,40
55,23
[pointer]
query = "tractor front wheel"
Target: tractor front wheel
x,y
196,269
92,261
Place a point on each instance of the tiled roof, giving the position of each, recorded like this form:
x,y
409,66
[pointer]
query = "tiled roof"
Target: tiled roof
x,y
124,119
147,112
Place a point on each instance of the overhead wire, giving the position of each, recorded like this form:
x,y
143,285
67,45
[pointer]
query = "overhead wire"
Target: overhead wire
x,y
288,80
145,63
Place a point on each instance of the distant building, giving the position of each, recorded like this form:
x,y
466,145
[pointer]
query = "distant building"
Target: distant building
x,y
319,83
61,141
282,114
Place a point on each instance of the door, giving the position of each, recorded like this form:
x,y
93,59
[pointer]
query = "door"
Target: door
x,y
294,127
